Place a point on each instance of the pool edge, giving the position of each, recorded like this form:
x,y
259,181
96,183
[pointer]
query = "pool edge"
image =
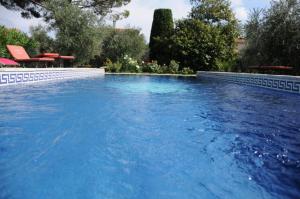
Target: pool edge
x,y
14,76
283,83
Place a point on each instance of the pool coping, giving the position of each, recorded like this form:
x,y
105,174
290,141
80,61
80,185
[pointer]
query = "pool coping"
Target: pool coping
x,y
284,83
14,76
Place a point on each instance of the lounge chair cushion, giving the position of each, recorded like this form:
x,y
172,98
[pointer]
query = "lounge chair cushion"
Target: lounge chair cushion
x,y
36,59
18,52
66,57
51,55
8,62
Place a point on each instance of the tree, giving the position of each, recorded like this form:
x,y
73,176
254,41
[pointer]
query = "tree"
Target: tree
x,y
44,42
253,54
75,30
36,8
273,35
197,45
206,40
162,30
28,8
218,13
122,42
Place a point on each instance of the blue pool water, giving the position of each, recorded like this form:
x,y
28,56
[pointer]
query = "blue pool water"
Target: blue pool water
x,y
139,137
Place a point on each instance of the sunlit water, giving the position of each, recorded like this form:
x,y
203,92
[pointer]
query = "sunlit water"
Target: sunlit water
x,y
120,137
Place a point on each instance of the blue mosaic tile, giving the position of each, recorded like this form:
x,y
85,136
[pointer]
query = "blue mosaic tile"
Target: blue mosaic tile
x,y
18,77
282,83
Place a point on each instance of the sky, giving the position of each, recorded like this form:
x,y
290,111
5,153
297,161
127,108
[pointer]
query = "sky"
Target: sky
x,y
141,13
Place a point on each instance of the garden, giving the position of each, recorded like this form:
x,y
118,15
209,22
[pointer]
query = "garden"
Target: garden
x,y
205,40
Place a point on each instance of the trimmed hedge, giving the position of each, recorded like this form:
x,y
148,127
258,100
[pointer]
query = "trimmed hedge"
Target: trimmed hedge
x,y
162,30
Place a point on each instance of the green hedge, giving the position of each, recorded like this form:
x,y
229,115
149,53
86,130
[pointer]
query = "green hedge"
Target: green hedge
x,y
15,37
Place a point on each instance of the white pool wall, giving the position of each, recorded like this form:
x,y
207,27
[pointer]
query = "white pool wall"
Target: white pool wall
x,y
13,76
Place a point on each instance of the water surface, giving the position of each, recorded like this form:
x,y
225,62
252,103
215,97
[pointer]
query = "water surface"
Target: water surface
x,y
145,137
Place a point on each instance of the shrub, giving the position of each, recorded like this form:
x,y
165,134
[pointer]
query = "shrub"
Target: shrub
x,y
147,68
227,66
173,67
112,67
187,71
15,37
162,30
129,65
152,67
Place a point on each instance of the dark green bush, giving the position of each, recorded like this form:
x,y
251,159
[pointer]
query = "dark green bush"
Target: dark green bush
x,y
162,30
112,67
15,37
187,71
173,67
152,67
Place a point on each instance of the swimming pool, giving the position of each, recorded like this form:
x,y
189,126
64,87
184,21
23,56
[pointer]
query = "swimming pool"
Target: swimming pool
x,y
148,137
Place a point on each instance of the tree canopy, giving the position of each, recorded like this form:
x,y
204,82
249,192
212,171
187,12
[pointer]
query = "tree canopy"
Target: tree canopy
x,y
273,35
122,42
206,40
37,8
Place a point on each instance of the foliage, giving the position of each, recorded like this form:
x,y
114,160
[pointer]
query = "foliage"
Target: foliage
x,y
122,42
112,67
28,8
44,42
15,37
162,30
173,67
228,65
37,8
129,65
212,11
151,67
207,37
273,35
75,30
100,7
187,71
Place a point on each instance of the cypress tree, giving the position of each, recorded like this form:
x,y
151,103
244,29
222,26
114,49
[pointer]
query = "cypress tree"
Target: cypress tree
x,y
162,30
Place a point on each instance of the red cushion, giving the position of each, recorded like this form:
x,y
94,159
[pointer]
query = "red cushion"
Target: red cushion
x,y
51,55
8,62
66,57
18,52
36,59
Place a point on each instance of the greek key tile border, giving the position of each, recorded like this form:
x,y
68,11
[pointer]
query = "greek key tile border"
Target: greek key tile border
x,y
31,76
281,82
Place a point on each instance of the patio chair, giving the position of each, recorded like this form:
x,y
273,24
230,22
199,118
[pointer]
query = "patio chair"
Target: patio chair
x,y
57,56
8,62
20,55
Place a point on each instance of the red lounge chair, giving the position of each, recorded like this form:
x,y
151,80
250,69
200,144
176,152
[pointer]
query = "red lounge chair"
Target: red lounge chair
x,y
57,57
19,54
272,67
8,62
